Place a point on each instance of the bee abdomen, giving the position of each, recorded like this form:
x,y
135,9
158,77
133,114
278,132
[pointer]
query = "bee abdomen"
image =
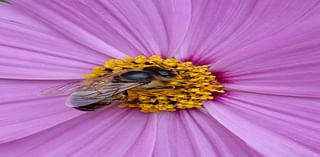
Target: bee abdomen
x,y
91,107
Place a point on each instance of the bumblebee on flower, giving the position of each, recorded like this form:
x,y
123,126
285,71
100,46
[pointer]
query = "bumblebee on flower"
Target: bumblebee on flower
x,y
151,84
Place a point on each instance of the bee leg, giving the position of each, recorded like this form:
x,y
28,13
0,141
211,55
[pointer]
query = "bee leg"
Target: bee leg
x,y
133,101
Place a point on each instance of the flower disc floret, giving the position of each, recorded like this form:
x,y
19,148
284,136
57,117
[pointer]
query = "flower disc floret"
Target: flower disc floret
x,y
190,87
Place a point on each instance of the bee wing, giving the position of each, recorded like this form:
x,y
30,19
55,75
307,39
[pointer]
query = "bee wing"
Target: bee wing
x,y
62,89
101,92
72,86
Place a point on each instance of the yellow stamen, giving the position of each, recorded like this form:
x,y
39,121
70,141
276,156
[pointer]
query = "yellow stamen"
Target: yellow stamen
x,y
192,85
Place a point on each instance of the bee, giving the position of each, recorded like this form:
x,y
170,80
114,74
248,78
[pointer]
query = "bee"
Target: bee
x,y
96,93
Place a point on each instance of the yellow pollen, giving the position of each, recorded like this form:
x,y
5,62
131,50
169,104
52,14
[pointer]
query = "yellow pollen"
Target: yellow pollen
x,y
188,89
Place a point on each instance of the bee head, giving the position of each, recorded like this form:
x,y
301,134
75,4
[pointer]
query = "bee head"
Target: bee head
x,y
159,72
135,76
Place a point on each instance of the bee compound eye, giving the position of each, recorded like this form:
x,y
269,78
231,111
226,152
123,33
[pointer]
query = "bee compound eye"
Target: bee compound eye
x,y
137,76
160,72
166,73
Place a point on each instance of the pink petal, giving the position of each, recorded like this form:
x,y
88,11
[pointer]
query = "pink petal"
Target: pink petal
x,y
272,125
219,27
286,64
111,132
10,14
272,92
128,132
117,28
24,111
193,133
32,51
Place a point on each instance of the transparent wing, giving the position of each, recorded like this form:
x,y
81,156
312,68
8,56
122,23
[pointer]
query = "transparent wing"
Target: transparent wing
x,y
72,86
99,92
62,89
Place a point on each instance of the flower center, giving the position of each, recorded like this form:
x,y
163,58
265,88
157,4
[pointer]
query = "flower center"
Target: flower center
x,y
174,85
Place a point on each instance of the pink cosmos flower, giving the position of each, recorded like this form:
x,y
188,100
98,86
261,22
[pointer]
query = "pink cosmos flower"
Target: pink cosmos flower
x,y
266,54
